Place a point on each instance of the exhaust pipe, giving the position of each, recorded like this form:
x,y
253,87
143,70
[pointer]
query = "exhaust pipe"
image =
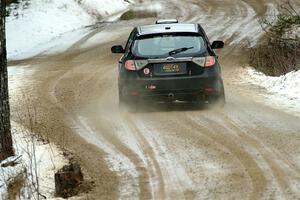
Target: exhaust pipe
x,y
171,96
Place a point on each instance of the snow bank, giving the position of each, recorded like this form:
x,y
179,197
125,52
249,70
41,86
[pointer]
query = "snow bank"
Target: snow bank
x,y
283,90
287,85
41,22
104,7
40,161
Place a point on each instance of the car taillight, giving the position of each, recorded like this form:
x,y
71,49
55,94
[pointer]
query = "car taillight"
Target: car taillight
x,y
134,65
129,65
207,61
210,61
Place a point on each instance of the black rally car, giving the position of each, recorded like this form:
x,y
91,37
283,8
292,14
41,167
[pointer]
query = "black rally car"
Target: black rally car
x,y
169,61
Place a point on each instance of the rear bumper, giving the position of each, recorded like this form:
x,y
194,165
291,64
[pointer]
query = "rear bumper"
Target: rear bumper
x,y
179,87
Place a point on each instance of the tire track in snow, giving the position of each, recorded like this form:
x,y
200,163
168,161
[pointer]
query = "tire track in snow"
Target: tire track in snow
x,y
152,163
277,173
159,173
281,169
110,127
256,174
125,164
117,152
234,21
130,175
178,183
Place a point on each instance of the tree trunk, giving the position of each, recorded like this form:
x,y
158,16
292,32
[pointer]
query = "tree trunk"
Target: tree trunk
x,y
6,148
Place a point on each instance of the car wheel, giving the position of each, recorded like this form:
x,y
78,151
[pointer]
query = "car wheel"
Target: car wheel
x,y
219,100
222,99
127,103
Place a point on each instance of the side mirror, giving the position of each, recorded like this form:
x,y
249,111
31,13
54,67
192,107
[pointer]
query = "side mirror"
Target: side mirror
x,y
117,49
217,45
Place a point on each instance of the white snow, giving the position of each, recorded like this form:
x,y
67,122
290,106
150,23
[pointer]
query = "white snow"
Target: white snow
x,y
128,175
40,23
282,91
104,7
44,24
40,161
15,75
175,177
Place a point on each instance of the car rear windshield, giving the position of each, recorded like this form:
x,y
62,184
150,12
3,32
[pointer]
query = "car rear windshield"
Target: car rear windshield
x,y
161,45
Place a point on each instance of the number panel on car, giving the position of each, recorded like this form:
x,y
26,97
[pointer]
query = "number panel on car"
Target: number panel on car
x,y
165,69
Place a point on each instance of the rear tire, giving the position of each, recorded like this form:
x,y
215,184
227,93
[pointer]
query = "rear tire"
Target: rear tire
x,y
219,100
222,99
127,104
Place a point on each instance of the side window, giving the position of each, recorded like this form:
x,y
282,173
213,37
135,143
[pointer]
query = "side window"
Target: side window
x,y
129,41
207,40
203,33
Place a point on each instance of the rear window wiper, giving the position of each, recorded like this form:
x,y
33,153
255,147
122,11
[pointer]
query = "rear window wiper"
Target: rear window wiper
x,y
176,51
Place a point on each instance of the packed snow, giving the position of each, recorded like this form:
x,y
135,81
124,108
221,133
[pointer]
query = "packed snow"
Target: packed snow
x,y
36,160
128,174
35,26
282,91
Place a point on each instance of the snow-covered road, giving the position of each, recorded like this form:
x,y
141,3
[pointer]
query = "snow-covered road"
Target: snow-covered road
x,y
247,150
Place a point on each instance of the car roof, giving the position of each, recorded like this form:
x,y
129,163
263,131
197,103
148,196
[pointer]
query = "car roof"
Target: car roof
x,y
167,28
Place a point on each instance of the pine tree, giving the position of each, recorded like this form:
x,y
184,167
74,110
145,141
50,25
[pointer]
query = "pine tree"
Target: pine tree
x,y
6,148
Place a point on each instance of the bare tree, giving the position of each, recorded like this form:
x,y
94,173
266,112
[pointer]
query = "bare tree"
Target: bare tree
x,y
6,148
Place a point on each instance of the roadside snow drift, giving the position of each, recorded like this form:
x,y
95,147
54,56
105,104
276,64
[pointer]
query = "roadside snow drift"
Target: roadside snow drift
x,y
31,26
36,161
287,85
283,90
104,7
